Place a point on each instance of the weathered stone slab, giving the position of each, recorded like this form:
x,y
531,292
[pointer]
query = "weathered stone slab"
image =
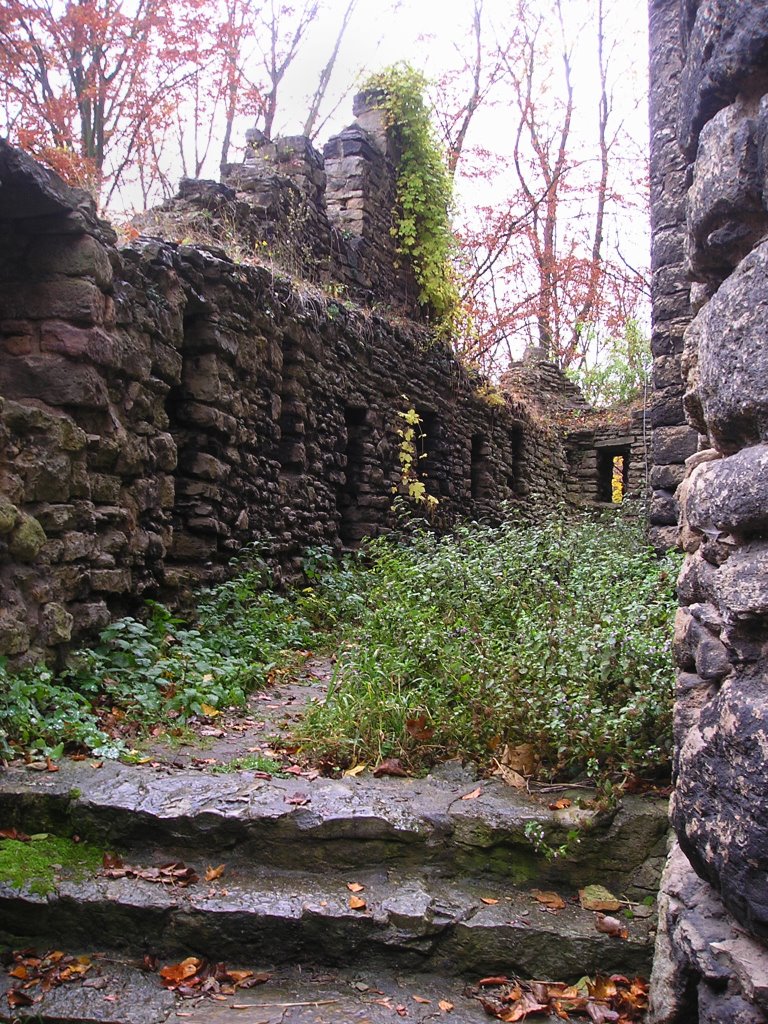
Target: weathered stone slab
x,y
341,823
417,921
114,994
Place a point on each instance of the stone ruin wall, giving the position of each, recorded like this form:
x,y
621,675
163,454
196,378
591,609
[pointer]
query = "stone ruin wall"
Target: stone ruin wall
x,y
163,406
709,70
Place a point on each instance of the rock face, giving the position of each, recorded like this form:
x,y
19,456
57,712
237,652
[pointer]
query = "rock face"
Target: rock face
x,y
162,406
709,129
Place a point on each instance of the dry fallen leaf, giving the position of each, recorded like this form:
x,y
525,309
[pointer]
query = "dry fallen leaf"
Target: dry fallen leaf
x,y
421,999
16,998
390,766
418,728
521,758
489,900
174,974
548,899
13,833
445,1006
358,769
611,926
474,794
597,897
561,804
510,776
356,903
355,887
212,874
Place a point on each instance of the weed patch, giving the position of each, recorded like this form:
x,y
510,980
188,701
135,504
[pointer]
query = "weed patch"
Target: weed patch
x,y
553,636
556,635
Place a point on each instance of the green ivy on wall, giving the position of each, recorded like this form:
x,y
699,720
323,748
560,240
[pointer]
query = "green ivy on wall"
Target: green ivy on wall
x,y
424,189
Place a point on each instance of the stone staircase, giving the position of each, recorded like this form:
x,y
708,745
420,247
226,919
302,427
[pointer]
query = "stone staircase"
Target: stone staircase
x,y
444,863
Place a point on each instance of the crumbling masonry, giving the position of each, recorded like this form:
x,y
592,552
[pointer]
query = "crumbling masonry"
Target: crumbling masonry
x,y
709,114
164,407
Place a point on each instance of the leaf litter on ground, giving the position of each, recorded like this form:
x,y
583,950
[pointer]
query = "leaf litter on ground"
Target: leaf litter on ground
x,y
175,873
600,999
35,975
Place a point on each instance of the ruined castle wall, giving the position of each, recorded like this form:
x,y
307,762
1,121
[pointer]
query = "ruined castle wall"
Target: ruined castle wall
x,y
710,62
673,439
163,407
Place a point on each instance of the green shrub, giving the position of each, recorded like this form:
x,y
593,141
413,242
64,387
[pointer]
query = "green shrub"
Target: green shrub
x,y
556,635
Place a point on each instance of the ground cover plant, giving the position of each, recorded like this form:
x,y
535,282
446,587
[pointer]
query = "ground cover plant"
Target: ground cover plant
x,y
552,638
555,637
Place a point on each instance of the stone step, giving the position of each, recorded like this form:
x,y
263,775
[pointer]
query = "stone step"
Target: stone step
x,y
124,994
415,921
457,825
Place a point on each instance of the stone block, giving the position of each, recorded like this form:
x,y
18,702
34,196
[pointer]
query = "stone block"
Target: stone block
x,y
667,478
27,539
673,444
73,256
56,625
742,583
724,208
731,495
9,516
733,357
63,298
721,779
712,661
111,581
53,379
14,634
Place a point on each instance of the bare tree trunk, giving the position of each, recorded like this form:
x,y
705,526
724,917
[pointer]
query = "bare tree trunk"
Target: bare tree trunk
x,y
325,74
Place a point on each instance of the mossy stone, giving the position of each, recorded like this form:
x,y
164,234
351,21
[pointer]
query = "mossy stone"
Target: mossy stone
x,y
34,866
57,623
9,515
27,539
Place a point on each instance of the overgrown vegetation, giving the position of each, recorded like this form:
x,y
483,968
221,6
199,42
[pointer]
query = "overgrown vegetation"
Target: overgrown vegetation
x,y
555,635
424,189
160,671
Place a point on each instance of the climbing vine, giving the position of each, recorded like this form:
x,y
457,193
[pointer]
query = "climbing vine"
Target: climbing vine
x,y
408,456
424,190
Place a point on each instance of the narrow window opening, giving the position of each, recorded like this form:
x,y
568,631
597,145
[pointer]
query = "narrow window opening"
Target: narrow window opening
x,y
430,469
354,510
612,475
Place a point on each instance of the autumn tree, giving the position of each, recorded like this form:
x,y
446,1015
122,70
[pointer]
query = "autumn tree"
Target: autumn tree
x,y
535,263
81,82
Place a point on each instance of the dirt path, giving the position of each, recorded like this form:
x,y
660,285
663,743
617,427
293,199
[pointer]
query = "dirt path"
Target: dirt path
x,y
253,736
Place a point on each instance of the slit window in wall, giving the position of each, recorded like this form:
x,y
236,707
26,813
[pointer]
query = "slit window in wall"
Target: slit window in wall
x,y
430,468
612,474
354,518
481,479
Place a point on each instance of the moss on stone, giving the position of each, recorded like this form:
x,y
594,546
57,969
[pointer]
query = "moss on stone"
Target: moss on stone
x,y
9,515
27,539
35,866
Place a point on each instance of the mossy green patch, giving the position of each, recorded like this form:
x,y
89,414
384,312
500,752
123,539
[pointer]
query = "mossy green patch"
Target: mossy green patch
x,y
250,763
36,865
